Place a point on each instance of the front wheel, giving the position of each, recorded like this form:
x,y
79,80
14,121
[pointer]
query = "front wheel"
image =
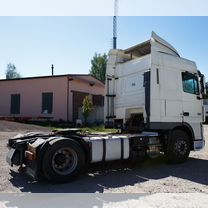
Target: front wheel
x,y
178,147
63,161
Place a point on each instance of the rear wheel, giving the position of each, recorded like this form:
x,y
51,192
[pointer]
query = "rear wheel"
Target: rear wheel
x,y
63,161
178,147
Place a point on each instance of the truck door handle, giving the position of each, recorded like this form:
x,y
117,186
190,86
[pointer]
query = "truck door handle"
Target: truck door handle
x,y
186,113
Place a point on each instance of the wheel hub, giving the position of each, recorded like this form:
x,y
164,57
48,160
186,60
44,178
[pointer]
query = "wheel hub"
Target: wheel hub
x,y
60,159
64,161
181,147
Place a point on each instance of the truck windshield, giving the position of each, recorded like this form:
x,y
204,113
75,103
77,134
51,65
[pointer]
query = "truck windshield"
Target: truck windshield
x,y
190,83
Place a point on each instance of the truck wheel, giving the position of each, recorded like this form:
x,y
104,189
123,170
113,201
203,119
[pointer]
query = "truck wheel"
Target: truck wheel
x,y
63,161
178,147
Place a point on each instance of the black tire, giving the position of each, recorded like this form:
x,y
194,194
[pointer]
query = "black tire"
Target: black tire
x,y
63,161
178,147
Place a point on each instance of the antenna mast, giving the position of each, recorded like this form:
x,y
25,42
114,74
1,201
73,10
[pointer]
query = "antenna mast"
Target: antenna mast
x,y
115,24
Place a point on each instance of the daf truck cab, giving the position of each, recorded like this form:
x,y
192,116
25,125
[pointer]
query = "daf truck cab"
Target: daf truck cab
x,y
152,94
149,87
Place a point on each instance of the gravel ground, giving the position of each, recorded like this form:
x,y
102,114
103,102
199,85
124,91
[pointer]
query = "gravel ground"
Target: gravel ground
x,y
151,176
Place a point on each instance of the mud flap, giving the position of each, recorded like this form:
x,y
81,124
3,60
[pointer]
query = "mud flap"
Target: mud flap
x,y
9,157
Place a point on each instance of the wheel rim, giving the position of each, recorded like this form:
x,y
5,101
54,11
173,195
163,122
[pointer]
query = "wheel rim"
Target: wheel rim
x,y
181,147
64,161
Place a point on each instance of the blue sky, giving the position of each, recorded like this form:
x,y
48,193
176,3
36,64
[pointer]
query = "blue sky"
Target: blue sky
x,y
34,43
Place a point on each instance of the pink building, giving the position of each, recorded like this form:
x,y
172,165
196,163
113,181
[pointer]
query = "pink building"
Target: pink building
x,y
55,97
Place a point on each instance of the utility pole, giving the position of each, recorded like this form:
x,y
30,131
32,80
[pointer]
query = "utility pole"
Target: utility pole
x,y
115,24
52,69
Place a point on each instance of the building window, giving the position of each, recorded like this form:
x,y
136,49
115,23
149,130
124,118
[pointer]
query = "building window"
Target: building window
x,y
190,83
15,104
47,103
98,100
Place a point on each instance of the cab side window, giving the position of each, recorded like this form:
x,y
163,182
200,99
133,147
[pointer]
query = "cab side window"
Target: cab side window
x,y
190,83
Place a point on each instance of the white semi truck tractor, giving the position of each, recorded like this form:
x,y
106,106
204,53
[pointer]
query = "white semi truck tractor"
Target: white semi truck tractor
x,y
152,94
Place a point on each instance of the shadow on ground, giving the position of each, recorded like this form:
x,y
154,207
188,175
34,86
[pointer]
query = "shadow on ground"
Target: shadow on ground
x,y
118,174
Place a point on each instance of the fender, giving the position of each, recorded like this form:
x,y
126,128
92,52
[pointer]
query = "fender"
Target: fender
x,y
171,126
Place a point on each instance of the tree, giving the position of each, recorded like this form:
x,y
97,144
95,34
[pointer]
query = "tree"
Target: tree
x,y
11,72
86,107
98,68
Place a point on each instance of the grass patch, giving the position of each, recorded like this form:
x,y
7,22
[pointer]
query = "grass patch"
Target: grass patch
x,y
54,125
100,128
90,129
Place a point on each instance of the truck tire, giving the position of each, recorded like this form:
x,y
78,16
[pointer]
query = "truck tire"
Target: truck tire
x,y
178,147
63,161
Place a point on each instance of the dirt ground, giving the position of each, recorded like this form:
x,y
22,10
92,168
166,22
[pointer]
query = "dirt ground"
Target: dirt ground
x,y
151,176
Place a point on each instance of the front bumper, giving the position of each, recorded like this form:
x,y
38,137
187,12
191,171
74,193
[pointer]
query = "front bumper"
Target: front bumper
x,y
199,144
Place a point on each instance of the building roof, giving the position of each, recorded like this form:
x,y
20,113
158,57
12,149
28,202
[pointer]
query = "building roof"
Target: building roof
x,y
85,77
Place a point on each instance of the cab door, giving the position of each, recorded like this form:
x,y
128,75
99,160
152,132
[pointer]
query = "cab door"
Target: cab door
x,y
192,104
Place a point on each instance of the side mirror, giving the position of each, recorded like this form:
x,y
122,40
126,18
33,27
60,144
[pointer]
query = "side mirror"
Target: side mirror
x,y
202,84
198,97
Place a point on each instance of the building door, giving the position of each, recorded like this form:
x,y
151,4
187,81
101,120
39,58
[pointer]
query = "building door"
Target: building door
x,y
77,102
